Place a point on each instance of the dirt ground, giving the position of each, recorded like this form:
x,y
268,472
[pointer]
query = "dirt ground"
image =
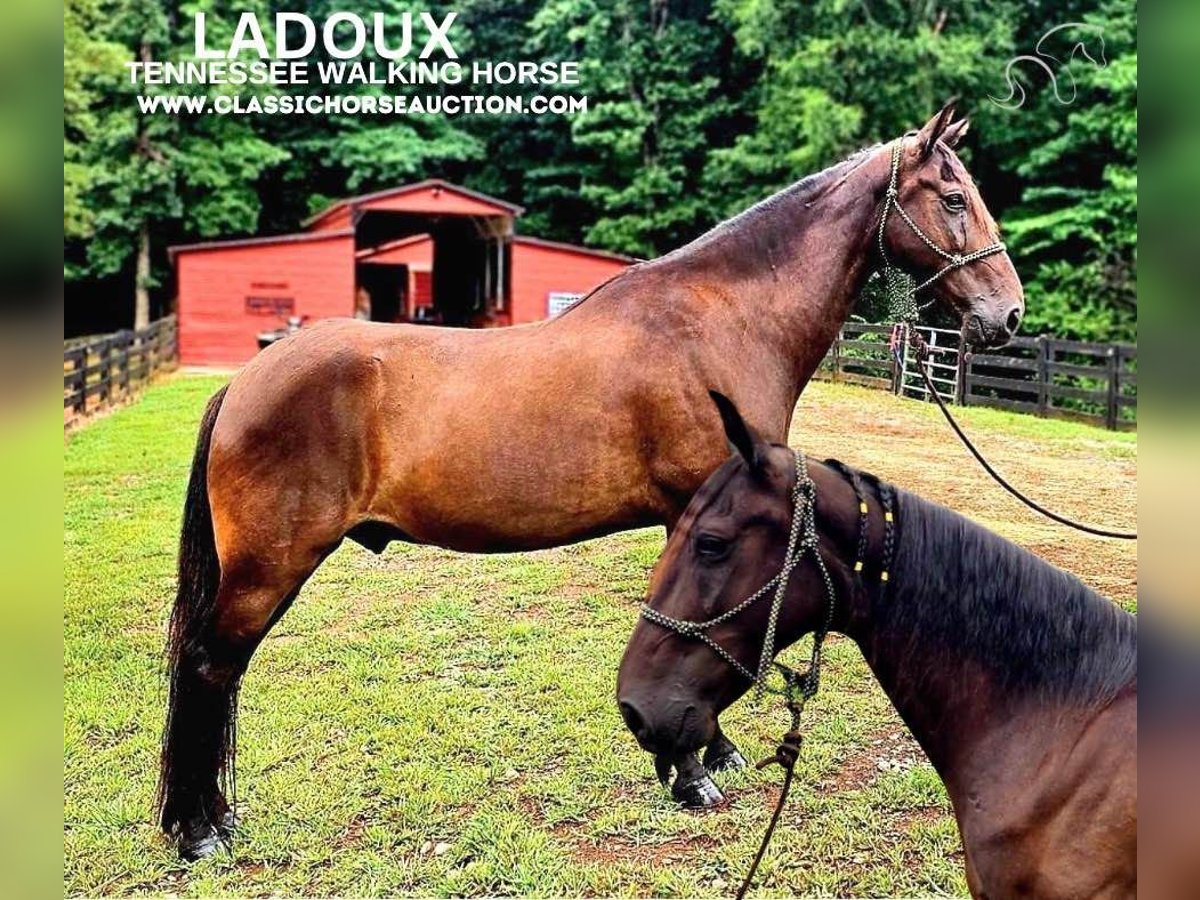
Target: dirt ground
x,y
1078,471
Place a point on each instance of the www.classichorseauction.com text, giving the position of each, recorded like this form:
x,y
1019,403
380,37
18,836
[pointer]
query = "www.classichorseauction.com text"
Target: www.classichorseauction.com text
x,y
413,49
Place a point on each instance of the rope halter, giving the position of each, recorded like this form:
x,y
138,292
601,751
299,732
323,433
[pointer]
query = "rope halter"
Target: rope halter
x,y
802,542
901,288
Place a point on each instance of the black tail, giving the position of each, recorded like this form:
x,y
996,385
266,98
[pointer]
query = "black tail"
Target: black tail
x,y
194,759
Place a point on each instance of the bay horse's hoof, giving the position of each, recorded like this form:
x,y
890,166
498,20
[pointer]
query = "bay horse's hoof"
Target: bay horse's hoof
x,y
200,846
205,840
729,761
699,793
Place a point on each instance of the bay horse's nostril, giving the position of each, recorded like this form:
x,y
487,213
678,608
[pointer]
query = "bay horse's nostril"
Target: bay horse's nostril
x,y
1013,322
633,719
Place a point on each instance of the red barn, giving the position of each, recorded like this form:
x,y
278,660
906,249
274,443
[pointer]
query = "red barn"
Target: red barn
x,y
427,252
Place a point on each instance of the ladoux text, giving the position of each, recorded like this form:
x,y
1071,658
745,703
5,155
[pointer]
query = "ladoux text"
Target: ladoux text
x,y
343,35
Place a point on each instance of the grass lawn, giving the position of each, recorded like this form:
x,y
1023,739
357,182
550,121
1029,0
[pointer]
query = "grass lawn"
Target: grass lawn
x,y
434,723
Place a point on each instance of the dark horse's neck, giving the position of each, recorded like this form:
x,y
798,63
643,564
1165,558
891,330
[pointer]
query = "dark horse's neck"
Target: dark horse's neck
x,y
975,633
783,275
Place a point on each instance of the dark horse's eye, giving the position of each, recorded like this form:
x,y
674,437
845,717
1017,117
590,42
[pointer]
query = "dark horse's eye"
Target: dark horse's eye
x,y
955,202
711,546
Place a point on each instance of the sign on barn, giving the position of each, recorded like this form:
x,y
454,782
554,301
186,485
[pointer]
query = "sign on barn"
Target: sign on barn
x,y
430,252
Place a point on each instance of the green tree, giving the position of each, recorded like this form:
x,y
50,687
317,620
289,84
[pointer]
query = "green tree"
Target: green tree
x,y
1074,228
147,177
656,102
837,75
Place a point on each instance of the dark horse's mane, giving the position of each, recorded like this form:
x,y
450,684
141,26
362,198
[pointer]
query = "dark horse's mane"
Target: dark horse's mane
x,y
961,590
806,190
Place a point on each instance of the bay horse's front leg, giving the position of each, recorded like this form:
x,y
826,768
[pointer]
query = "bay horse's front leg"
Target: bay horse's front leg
x,y
722,755
693,786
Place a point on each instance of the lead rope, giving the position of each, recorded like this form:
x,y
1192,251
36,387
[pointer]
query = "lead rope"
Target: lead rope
x,y
922,353
788,751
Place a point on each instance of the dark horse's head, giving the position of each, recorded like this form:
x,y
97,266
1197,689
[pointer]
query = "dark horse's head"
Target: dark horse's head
x,y
730,541
948,220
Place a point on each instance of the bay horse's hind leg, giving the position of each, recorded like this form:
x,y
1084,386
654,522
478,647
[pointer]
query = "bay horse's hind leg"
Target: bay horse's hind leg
x,y
199,745
223,607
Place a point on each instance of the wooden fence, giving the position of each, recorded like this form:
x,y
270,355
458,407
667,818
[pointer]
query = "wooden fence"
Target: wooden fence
x,y
99,371
1044,376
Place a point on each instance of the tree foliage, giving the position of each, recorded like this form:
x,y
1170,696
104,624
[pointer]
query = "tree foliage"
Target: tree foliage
x,y
696,109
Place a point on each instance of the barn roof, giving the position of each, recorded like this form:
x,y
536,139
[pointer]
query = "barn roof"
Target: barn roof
x,y
258,241
573,248
499,207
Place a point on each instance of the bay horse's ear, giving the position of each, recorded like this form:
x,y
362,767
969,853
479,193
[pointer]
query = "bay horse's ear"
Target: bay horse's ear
x,y
741,436
932,130
955,132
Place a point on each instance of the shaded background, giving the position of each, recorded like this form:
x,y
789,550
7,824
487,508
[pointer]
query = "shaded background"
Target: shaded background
x,y
697,109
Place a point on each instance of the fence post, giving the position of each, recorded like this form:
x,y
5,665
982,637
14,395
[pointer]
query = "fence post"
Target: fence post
x,y
104,367
960,376
1043,374
79,379
898,371
1110,413
124,349
837,356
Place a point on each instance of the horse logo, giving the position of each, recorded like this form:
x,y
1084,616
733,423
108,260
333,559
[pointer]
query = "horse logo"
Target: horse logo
x,y
1016,91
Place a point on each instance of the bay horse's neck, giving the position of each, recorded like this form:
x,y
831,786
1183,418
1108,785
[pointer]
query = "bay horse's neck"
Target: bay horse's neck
x,y
783,275
975,638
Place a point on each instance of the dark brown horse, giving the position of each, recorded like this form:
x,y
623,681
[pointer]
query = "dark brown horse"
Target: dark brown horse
x,y
1019,682
530,437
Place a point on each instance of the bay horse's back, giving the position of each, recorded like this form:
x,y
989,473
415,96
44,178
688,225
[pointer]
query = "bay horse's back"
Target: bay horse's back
x,y
475,440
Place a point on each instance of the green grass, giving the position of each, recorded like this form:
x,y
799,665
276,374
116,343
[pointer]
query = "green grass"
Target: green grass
x,y
434,723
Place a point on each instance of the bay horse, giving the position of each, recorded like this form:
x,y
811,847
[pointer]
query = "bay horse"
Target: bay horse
x,y
530,437
1019,682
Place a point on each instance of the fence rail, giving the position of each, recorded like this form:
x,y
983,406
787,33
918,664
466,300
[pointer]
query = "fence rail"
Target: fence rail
x,y
1044,376
99,371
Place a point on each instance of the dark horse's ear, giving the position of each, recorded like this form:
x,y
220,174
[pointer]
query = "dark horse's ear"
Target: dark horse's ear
x,y
741,436
932,130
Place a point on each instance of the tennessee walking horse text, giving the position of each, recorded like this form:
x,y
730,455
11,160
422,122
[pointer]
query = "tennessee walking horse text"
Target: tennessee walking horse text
x,y
1019,682
530,437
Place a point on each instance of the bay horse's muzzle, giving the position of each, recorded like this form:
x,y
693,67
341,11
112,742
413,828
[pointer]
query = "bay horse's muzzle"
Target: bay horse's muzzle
x,y
672,726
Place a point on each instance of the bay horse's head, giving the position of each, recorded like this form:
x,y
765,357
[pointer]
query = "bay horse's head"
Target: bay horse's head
x,y
730,542
937,228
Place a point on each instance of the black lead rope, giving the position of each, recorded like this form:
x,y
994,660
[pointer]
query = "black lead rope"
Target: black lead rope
x,y
798,688
922,353
785,756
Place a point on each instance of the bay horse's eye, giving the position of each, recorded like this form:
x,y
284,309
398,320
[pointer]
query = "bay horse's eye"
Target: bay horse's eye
x,y
712,547
955,202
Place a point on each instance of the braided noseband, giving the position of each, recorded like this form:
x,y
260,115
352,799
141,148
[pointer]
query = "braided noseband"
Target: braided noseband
x,y
900,287
802,541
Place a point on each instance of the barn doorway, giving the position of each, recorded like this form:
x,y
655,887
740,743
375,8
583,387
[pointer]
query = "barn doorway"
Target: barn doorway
x,y
387,287
464,282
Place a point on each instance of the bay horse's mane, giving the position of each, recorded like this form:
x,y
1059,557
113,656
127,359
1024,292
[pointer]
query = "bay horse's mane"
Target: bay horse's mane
x,y
799,195
807,190
962,590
